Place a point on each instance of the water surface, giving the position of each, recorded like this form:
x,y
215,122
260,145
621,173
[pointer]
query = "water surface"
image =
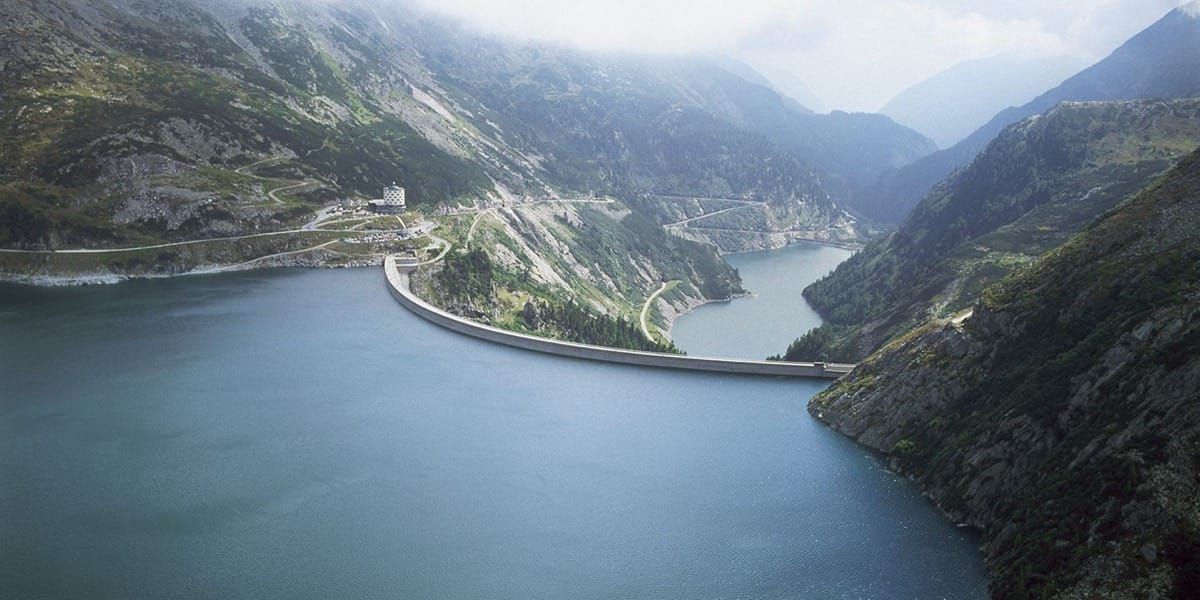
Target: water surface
x,y
765,323
298,434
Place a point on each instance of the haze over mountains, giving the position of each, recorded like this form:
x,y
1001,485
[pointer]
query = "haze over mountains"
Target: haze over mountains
x,y
1158,62
950,105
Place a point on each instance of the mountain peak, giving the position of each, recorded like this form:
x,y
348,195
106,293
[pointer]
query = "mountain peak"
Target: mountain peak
x,y
1191,9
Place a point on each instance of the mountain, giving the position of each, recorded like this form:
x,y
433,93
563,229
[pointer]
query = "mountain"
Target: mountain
x,y
791,85
1061,416
950,105
1038,183
748,73
1162,61
845,149
130,124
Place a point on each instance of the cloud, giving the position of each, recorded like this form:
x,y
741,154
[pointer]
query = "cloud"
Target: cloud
x,y
854,54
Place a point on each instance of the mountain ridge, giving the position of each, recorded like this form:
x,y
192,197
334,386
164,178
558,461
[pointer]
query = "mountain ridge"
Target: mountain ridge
x,y
955,102
1161,61
1059,415
1040,181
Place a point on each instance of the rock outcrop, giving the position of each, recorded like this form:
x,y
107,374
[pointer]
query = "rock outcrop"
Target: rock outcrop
x,y
1061,415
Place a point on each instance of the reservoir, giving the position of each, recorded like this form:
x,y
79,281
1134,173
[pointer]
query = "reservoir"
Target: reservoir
x,y
763,324
298,434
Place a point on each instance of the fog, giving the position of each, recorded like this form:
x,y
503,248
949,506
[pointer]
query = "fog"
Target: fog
x,y
852,54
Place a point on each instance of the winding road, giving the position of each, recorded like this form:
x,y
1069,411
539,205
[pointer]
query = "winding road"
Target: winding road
x,y
475,223
646,309
271,193
684,223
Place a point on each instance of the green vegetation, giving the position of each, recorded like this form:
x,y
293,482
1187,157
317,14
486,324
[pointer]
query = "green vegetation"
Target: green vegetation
x,y
1038,184
571,322
165,112
1063,418
467,278
469,284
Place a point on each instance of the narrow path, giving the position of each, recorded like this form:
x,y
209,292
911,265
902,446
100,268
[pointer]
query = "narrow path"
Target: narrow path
x,y
740,200
305,183
445,249
713,214
276,255
188,242
646,310
271,193
246,169
471,231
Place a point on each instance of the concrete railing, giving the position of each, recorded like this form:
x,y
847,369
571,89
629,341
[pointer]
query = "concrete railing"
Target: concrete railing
x,y
398,284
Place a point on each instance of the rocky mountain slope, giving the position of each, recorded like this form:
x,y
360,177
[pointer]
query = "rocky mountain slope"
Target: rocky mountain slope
x,y
524,267
1162,61
1038,183
1062,416
134,121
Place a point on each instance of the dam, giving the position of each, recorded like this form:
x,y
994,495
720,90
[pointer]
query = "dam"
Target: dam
x,y
398,282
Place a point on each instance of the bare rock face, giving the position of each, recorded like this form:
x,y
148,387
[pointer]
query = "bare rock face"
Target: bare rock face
x,y
1062,418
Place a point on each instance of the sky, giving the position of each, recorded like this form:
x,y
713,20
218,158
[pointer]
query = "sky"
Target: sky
x,y
853,55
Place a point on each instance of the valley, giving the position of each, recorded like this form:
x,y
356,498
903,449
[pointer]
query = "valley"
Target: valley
x,y
1008,326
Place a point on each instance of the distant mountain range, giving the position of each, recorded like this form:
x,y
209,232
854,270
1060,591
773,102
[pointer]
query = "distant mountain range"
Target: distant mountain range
x,y
1162,61
950,105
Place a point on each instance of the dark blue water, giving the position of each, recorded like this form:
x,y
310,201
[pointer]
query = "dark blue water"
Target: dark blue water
x,y
298,434
763,324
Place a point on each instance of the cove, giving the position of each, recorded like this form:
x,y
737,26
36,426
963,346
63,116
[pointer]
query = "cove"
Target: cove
x,y
298,434
761,325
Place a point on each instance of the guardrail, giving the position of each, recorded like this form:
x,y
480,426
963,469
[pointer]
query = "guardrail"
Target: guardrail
x,y
399,286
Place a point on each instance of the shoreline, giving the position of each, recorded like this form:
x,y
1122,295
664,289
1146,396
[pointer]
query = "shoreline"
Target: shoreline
x,y
110,278
692,307
750,294
851,246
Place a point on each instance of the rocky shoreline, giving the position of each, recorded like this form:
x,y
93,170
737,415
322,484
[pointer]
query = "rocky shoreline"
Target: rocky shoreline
x,y
111,277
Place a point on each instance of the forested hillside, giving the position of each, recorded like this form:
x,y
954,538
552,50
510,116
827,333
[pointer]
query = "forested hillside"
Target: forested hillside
x,y
1061,416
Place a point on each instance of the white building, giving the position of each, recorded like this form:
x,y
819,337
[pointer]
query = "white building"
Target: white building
x,y
393,200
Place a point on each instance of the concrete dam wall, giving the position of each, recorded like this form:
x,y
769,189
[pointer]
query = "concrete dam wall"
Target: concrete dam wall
x,y
398,285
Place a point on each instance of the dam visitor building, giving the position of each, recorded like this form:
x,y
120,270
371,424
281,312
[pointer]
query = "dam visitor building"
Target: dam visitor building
x,y
392,202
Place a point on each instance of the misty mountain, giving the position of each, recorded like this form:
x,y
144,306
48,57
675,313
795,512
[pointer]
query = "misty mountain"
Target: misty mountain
x,y
1038,183
846,149
950,105
750,74
1162,61
129,121
793,86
